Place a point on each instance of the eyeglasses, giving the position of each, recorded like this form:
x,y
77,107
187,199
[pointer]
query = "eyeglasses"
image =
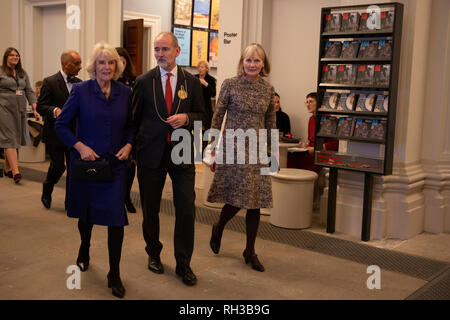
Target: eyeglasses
x,y
309,102
14,55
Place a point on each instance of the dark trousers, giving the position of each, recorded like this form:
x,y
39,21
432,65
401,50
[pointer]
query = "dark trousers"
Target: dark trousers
x,y
59,160
151,184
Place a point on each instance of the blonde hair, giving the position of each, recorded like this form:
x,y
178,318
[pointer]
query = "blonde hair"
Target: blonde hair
x,y
103,48
249,51
204,63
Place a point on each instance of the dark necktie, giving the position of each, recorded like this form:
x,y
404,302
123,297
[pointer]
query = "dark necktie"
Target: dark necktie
x,y
168,99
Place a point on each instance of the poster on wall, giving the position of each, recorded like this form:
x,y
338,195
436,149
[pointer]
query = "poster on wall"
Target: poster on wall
x,y
182,12
201,14
184,41
213,49
215,9
199,47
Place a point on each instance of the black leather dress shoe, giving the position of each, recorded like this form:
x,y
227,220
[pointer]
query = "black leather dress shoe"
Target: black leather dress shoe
x,y
186,275
155,265
46,200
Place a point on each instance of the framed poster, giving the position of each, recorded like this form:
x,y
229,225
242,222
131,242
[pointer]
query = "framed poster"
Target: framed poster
x,y
182,12
199,47
201,14
213,49
184,40
215,9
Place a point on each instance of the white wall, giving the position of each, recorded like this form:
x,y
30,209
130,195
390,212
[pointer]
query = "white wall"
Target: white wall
x,y
54,38
294,56
161,8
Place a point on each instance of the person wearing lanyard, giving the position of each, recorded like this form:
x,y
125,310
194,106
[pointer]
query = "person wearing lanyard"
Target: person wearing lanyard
x,y
15,91
165,99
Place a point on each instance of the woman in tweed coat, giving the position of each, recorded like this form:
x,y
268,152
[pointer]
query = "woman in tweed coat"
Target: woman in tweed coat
x,y
248,101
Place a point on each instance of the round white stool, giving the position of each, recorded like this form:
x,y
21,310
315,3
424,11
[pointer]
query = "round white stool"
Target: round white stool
x,y
292,191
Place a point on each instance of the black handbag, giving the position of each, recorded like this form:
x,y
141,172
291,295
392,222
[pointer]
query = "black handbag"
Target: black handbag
x,y
98,170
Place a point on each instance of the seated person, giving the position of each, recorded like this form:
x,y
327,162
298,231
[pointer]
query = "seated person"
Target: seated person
x,y
283,122
305,160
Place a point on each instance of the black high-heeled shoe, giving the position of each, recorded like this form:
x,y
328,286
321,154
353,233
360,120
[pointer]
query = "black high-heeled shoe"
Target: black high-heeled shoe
x,y
253,259
116,285
215,240
8,174
83,259
17,177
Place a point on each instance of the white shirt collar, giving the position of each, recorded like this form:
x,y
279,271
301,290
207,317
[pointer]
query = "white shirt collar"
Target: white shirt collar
x,y
174,71
64,75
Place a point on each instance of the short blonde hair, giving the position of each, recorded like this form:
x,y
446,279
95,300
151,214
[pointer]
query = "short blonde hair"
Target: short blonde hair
x,y
249,51
103,48
204,63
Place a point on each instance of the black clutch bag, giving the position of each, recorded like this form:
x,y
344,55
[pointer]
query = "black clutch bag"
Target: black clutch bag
x,y
98,170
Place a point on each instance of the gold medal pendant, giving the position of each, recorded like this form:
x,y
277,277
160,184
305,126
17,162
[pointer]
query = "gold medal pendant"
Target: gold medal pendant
x,y
182,94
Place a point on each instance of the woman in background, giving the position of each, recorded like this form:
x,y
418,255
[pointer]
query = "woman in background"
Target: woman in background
x,y
15,93
128,77
305,160
209,91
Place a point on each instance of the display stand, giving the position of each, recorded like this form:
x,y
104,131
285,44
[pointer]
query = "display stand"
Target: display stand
x,y
357,95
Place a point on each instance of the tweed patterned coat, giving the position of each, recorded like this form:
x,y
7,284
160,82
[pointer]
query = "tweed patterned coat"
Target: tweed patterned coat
x,y
249,105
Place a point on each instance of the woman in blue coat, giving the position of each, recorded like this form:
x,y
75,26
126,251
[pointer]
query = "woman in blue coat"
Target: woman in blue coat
x,y
104,129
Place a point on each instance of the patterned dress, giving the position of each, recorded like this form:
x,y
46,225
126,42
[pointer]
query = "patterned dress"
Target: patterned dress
x,y
249,106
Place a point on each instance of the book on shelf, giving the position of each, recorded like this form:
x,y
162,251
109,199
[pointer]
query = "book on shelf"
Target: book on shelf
x,y
333,22
350,49
329,73
387,20
369,21
330,101
362,128
378,129
328,125
347,102
350,21
368,49
382,104
382,75
366,102
350,72
384,49
332,49
365,75
344,127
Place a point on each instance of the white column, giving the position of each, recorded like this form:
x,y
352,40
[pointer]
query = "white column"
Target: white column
x,y
435,149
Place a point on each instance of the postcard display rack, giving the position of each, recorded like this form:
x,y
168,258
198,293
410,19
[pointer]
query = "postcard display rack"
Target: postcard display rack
x,y
357,93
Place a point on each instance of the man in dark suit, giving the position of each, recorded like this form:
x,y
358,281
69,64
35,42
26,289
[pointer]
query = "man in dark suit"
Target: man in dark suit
x,y
165,99
54,93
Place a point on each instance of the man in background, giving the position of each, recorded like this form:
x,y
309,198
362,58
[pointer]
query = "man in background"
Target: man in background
x,y
54,93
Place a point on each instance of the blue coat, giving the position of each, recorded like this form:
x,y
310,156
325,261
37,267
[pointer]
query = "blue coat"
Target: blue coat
x,y
105,126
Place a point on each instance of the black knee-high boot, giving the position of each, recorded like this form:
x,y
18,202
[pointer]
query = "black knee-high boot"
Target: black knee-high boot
x,y
252,223
85,230
228,212
115,240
